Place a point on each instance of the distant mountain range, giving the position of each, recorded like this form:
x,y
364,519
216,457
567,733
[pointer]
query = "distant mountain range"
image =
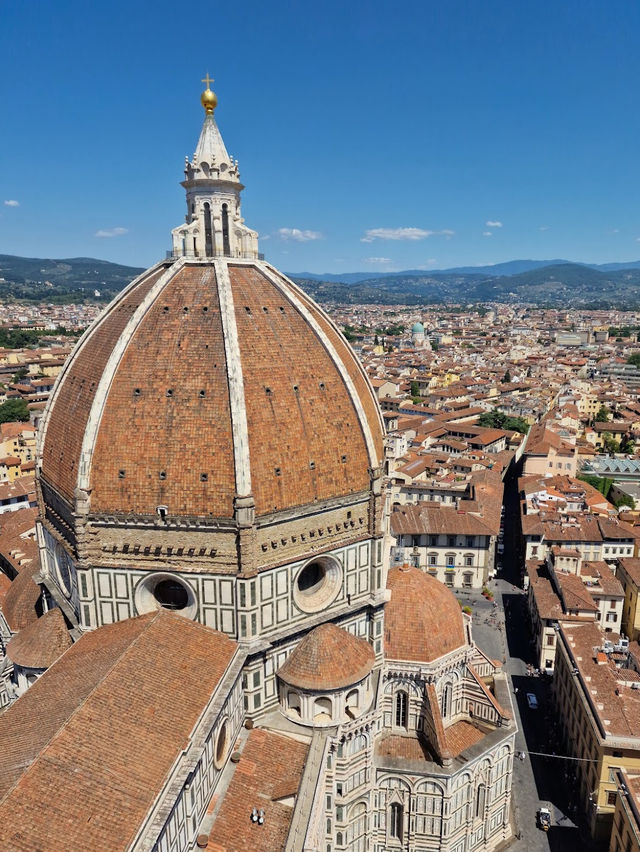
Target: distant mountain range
x,y
511,267
547,282
34,279
551,282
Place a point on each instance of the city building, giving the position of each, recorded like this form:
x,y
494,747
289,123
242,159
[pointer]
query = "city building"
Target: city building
x,y
628,573
625,835
597,713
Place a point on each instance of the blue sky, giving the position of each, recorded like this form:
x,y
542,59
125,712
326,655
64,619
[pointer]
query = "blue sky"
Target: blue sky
x,y
370,135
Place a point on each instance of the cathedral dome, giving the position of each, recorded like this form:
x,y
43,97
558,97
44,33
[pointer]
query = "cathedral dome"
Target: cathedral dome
x,y
423,620
205,381
328,658
417,328
40,643
213,424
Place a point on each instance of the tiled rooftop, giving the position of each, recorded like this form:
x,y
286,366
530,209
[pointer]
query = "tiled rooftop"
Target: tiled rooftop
x,y
269,771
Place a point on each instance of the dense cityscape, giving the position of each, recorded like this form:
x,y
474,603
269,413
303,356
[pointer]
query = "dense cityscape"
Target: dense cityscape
x,y
511,475
320,529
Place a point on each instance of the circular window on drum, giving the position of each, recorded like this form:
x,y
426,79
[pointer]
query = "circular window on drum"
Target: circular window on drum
x,y
165,591
317,584
222,745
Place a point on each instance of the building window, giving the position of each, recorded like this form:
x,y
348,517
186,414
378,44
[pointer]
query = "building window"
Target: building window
x,y
433,559
222,745
395,821
165,591
470,541
468,559
480,795
293,701
467,580
317,584
446,701
450,560
451,540
322,709
401,709
611,797
225,231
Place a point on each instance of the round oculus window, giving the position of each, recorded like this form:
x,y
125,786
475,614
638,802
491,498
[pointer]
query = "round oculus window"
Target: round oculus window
x,y
165,591
222,745
171,594
317,584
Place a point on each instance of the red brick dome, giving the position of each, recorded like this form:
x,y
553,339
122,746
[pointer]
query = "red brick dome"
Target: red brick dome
x,y
39,645
423,620
328,658
205,381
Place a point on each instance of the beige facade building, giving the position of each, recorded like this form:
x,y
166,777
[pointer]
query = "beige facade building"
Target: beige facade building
x,y
629,575
548,454
597,708
625,835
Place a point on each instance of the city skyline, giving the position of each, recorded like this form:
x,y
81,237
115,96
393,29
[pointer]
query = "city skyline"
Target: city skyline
x,y
440,138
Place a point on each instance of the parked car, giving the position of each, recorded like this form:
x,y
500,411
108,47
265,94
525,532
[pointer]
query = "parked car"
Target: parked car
x,y
544,818
532,701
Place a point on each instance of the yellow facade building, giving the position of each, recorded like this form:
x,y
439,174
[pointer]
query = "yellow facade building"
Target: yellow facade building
x,y
625,836
597,706
629,575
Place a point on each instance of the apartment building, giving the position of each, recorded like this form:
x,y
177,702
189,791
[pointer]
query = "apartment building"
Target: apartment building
x,y
597,711
565,588
628,573
546,452
625,836
455,546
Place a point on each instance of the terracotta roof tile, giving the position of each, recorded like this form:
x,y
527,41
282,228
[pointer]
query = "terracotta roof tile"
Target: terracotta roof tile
x,y
20,602
328,658
270,768
165,435
418,519
87,749
40,644
461,735
404,747
423,620
72,402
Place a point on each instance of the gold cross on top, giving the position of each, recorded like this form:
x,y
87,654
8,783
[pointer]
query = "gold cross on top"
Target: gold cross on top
x,y
208,80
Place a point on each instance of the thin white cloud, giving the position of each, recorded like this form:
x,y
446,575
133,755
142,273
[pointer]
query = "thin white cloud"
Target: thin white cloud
x,y
402,234
11,202
615,230
487,233
638,239
111,232
298,235
381,260
543,228
493,224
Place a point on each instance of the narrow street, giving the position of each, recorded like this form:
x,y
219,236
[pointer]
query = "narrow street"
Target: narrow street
x,y
503,632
